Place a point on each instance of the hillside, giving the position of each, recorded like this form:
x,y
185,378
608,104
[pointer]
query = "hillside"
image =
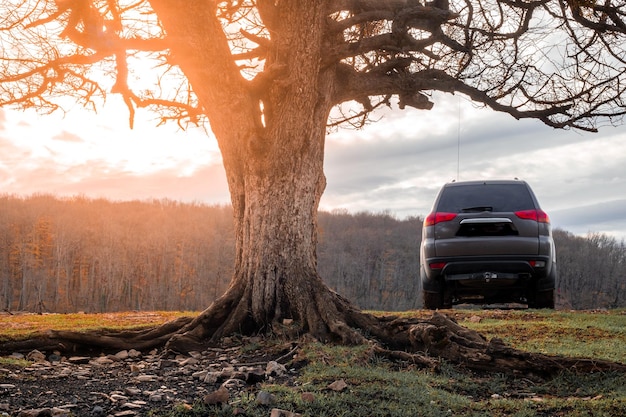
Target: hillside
x,y
95,255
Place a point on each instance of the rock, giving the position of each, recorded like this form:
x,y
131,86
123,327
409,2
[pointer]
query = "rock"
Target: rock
x,y
211,377
146,378
79,360
274,368
166,363
277,412
130,406
134,354
45,412
36,356
132,391
308,397
338,385
122,355
118,397
101,361
98,411
190,361
254,375
234,384
265,398
125,413
220,396
135,369
53,357
195,355
155,398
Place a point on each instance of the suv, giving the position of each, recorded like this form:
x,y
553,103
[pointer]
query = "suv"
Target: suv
x,y
487,242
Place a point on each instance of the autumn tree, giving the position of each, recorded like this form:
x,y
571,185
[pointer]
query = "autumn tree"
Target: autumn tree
x,y
266,76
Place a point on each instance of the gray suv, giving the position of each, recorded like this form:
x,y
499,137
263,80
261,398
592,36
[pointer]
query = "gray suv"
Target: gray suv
x,y
487,242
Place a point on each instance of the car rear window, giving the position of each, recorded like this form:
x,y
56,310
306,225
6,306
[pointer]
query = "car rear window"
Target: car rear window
x,y
485,197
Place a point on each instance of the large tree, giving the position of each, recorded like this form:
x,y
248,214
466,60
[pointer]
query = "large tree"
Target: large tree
x,y
270,77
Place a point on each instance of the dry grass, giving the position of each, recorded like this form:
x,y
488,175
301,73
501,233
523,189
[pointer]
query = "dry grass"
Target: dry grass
x,y
22,326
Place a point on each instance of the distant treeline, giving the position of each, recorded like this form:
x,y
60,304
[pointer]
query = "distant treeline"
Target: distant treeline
x,y
95,255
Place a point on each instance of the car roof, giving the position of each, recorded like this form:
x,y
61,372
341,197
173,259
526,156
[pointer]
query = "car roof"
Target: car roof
x,y
486,182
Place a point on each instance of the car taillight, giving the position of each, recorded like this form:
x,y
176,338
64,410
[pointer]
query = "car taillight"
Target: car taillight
x,y
539,216
438,217
437,265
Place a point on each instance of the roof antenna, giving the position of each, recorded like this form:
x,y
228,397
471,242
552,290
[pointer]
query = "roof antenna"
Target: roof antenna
x,y
458,140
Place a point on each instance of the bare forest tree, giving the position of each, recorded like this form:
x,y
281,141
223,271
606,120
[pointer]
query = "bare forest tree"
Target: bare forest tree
x,y
266,75
62,255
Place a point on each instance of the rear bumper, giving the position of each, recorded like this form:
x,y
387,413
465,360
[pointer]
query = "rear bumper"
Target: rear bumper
x,y
487,272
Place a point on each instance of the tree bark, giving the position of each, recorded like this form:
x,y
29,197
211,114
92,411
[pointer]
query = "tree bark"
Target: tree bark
x,y
271,134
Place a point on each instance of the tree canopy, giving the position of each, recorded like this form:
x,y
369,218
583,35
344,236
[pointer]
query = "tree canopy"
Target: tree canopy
x,y
561,61
270,76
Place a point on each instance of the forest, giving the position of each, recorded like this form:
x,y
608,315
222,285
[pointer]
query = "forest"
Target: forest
x,y
95,255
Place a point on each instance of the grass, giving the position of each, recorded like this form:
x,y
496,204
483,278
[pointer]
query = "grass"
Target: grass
x,y
22,326
378,387
589,334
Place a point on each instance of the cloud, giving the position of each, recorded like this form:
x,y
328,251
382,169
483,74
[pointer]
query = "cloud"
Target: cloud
x,y
397,164
66,136
400,164
607,217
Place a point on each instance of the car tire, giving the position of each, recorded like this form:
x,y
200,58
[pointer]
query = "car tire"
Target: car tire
x,y
433,300
544,299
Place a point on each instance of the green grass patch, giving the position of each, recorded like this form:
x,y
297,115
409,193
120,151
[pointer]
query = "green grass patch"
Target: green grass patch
x,y
584,334
378,387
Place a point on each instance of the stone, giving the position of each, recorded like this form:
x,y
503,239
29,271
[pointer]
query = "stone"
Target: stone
x,y
125,413
134,354
189,361
277,412
101,361
78,360
98,411
234,384
211,377
220,396
274,368
254,376
265,398
36,356
122,355
307,397
339,385
132,391
53,357
146,378
118,397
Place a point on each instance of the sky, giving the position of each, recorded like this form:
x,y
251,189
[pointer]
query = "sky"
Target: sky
x,y
396,164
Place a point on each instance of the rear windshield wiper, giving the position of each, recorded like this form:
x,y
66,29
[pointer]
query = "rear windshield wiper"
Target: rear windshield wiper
x,y
476,209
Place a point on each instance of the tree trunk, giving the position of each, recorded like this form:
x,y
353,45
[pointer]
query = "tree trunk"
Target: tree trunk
x,y
271,134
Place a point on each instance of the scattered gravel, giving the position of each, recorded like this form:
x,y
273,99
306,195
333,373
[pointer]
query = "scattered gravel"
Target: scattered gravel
x,y
131,383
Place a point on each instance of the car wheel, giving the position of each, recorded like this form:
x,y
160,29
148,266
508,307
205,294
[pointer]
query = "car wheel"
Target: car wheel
x,y
544,299
433,300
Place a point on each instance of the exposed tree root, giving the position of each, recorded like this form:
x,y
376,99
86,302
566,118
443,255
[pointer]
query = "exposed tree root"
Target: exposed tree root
x,y
330,318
